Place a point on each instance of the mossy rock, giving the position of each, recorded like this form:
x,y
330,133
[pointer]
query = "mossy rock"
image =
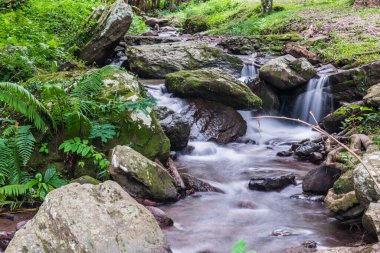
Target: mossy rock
x,y
86,180
195,24
345,183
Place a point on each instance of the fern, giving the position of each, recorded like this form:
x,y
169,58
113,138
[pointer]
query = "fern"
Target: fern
x,y
15,190
22,101
89,86
105,132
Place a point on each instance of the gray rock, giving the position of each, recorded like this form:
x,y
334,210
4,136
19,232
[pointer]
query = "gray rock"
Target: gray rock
x,y
193,184
155,61
307,148
176,128
163,220
374,248
140,176
83,218
365,189
373,96
272,183
112,26
152,22
320,180
213,85
287,72
132,40
371,220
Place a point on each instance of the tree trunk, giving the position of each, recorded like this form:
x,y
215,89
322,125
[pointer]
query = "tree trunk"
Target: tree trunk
x,y
266,6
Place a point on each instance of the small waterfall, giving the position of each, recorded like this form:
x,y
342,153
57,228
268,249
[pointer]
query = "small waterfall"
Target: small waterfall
x,y
249,72
317,99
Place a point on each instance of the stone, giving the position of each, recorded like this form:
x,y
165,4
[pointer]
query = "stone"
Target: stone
x,y
156,61
240,45
307,148
86,180
141,177
212,121
284,153
340,202
374,248
153,22
195,24
365,188
371,220
132,40
162,219
83,218
351,85
373,96
287,72
213,85
299,51
176,128
316,157
320,180
352,213
269,97
111,27
345,183
272,183
193,184
5,238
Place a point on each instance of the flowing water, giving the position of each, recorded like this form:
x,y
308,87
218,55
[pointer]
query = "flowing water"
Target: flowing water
x,y
316,99
213,222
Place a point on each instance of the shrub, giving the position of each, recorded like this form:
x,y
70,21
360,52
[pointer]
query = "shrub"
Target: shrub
x,y
195,24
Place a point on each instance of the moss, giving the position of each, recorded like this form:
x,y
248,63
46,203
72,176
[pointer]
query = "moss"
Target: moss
x,y
86,180
345,183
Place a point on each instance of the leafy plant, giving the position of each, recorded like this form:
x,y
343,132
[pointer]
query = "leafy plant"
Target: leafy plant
x,y
44,183
44,149
241,247
105,132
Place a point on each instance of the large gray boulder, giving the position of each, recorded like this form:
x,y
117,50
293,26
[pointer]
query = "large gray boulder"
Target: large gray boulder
x,y
90,218
320,180
350,85
140,176
112,26
373,96
365,188
371,220
211,121
287,72
156,61
213,85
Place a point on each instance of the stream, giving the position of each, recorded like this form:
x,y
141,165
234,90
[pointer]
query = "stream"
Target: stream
x,y
269,221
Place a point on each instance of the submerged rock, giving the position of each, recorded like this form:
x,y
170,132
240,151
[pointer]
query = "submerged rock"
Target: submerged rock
x,y
287,72
194,184
212,121
214,85
140,176
272,183
175,127
112,25
365,188
160,216
156,61
83,218
320,180
350,85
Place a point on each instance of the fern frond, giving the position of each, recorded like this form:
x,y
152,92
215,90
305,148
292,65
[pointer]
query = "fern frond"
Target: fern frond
x,y
77,123
89,86
14,190
22,101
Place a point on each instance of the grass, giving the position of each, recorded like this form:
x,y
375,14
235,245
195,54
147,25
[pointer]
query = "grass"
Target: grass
x,y
40,35
349,31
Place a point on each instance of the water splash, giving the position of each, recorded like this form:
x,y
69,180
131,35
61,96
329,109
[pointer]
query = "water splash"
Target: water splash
x,y
316,99
249,72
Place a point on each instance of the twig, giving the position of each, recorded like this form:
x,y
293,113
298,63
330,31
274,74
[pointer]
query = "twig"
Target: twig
x,y
323,132
368,53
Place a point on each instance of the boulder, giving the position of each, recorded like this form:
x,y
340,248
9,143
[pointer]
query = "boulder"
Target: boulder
x,y
267,94
83,218
156,61
340,202
306,149
373,96
141,177
240,45
272,183
371,220
213,85
132,40
350,85
287,72
162,219
175,127
345,183
299,51
365,188
193,184
320,180
5,238
212,121
112,26
153,22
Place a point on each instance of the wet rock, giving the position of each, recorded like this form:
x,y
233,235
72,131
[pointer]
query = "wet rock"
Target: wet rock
x,y
352,213
307,148
340,202
155,61
299,51
371,220
112,26
162,219
316,157
120,59
284,153
213,85
175,127
153,22
132,40
140,176
62,225
194,184
365,188
287,72
320,180
350,85
5,238
150,33
306,247
21,224
374,248
239,45
373,96
282,232
308,197
272,183
271,101
246,205
214,122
